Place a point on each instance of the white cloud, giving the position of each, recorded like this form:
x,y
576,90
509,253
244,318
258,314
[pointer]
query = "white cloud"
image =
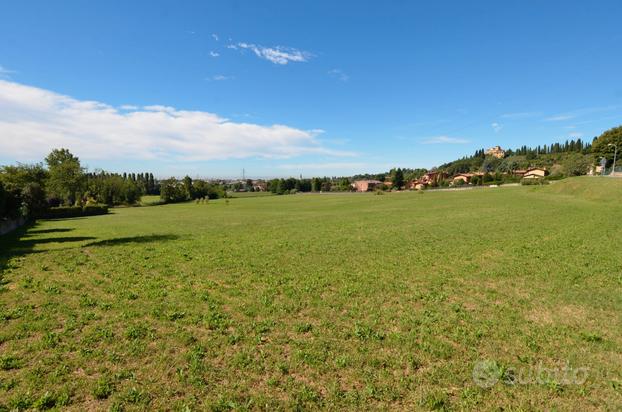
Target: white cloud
x,y
128,107
339,74
215,36
214,54
277,55
496,127
445,140
33,121
559,118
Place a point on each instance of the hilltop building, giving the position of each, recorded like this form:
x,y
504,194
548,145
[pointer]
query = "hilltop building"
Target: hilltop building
x,y
496,151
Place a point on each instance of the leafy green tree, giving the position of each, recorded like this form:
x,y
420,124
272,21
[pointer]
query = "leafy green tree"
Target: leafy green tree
x,y
23,190
576,164
3,201
188,189
34,202
316,184
398,179
17,177
172,191
601,146
66,176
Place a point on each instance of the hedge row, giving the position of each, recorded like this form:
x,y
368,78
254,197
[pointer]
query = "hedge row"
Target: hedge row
x,y
534,182
75,211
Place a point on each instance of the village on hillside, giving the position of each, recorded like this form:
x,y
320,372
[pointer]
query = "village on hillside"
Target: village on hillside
x,y
438,178
494,166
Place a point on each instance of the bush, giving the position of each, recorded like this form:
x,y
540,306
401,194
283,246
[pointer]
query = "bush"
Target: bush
x,y
74,211
92,210
534,182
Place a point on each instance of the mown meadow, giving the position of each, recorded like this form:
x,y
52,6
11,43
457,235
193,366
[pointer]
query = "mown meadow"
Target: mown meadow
x,y
345,301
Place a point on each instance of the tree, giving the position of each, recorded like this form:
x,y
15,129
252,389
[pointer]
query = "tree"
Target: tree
x,y
34,201
576,164
398,179
3,201
66,176
316,184
23,190
188,189
171,191
601,148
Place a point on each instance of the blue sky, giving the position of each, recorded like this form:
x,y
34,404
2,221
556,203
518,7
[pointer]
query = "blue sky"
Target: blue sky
x,y
308,87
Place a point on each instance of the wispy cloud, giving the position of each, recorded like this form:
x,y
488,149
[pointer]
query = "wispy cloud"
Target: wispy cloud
x,y
323,166
496,127
559,118
338,74
575,135
220,77
278,55
215,36
520,115
33,121
586,111
214,54
5,73
445,140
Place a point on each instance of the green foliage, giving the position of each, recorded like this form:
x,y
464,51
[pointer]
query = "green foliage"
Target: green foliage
x,y
171,191
576,164
534,182
34,202
113,189
22,190
66,177
398,179
601,146
75,211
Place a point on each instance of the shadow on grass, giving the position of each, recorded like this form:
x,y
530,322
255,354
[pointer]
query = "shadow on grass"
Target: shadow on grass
x,y
58,230
132,239
19,243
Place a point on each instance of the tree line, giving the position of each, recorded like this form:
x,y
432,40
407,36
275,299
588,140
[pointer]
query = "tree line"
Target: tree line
x,y
29,190
173,190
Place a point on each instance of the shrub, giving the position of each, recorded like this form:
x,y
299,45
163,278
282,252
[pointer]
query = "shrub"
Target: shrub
x,y
534,182
74,211
92,210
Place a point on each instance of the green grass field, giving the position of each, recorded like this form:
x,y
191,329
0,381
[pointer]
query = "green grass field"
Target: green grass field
x,y
349,301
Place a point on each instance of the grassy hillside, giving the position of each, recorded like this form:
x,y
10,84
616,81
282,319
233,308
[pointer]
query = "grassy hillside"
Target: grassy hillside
x,y
347,301
602,189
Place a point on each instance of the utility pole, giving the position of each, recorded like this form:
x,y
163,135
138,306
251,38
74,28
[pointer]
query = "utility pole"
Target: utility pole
x,y
615,154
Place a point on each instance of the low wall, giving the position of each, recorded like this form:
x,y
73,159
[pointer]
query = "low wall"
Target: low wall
x,y
10,225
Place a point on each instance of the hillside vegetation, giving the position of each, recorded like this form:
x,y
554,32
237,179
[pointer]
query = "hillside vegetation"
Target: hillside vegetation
x,y
602,189
345,302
